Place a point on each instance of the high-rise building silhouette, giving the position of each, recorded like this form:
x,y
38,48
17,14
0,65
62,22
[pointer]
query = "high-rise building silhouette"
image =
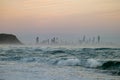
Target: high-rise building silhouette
x,y
37,40
98,39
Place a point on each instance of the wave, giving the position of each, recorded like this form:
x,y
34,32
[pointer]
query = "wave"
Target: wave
x,y
84,57
73,61
107,66
112,67
92,63
69,62
107,49
10,58
56,51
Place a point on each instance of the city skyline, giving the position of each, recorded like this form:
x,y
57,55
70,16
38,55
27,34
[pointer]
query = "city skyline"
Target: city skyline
x,y
69,19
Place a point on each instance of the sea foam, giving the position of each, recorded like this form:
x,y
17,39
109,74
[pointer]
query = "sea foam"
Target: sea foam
x,y
69,62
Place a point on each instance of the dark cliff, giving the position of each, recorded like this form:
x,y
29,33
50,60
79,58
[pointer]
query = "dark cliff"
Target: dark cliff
x,y
9,39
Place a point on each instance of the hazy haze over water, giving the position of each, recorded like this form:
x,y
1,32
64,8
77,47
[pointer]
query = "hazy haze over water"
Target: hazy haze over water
x,y
63,18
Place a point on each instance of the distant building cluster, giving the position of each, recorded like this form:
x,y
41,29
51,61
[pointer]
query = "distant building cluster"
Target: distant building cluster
x,y
90,40
53,40
56,40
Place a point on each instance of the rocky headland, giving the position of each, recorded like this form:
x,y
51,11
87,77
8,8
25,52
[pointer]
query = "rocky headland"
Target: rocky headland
x,y
9,39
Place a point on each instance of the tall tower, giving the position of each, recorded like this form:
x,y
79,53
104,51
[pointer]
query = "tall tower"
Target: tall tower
x,y
98,39
37,40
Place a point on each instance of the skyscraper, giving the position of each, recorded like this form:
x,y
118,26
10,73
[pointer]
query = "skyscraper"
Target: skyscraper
x,y
37,40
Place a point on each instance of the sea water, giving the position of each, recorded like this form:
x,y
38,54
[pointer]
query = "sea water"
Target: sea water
x,y
59,63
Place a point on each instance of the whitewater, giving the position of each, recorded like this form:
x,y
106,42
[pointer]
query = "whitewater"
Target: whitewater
x,y
59,63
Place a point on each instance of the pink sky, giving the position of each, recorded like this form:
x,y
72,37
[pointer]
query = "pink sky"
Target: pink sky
x,y
60,17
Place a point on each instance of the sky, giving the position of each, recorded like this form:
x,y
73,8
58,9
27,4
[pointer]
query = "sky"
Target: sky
x,y
63,18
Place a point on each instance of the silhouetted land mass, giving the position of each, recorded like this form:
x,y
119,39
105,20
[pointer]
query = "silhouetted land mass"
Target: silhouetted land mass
x,y
9,39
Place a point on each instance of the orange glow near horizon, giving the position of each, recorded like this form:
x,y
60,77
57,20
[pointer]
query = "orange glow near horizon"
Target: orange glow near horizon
x,y
59,15
52,8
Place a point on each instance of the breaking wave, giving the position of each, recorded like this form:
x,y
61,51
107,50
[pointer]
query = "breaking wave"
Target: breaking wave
x,y
94,58
112,67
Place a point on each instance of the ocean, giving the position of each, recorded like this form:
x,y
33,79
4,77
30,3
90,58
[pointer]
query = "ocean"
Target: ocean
x,y
59,63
